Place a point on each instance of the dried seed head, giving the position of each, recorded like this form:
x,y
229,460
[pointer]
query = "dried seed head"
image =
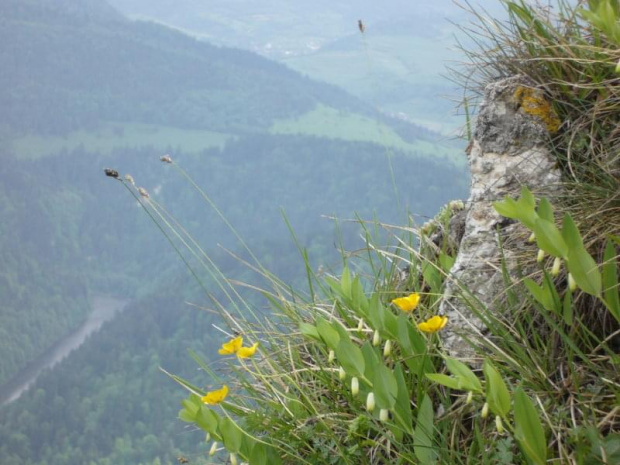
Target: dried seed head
x,y
143,192
111,173
166,159
129,179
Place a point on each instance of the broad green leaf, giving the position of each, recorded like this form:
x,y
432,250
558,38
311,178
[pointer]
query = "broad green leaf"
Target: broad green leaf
x,y
432,276
585,271
545,210
507,207
192,403
467,378
424,432
528,429
446,261
258,456
376,312
351,358
309,330
360,302
231,435
403,335
549,238
402,409
539,293
497,393
570,233
444,380
384,386
328,334
371,359
335,285
345,282
527,199
187,416
610,280
207,419
390,322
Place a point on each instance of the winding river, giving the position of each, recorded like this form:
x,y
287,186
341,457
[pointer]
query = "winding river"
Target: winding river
x,y
104,309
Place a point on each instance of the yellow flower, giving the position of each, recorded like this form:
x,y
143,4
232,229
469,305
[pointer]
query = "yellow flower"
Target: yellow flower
x,y
409,303
232,346
246,352
215,397
434,324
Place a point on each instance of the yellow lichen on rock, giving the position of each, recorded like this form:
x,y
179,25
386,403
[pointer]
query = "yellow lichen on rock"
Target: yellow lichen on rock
x,y
533,103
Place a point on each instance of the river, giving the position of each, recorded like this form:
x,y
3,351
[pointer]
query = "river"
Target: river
x,y
104,309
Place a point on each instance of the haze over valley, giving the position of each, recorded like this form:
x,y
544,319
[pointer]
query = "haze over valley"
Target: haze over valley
x,y
283,113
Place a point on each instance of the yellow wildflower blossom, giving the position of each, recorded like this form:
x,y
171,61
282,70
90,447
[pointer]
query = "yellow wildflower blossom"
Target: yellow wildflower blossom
x,y
215,397
246,352
434,324
409,303
232,346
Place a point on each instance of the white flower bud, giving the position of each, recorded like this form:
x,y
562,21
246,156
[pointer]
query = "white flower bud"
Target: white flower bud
x,y
360,325
532,237
213,449
342,374
485,410
572,284
499,425
376,338
331,356
387,349
541,255
233,459
355,386
208,437
384,414
470,396
556,266
370,401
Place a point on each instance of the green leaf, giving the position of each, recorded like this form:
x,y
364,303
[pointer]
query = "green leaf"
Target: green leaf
x,y
376,312
444,380
610,280
309,330
345,282
351,358
545,210
424,432
371,359
446,261
402,409
403,335
585,271
507,207
467,378
359,300
432,276
498,396
258,456
328,334
540,293
391,325
527,199
207,419
528,429
231,435
570,233
384,386
549,238
187,416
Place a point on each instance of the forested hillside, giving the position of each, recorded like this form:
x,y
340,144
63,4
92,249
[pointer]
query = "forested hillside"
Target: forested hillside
x,y
83,89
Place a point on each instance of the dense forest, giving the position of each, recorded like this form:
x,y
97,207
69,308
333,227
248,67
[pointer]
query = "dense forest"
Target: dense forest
x,y
69,233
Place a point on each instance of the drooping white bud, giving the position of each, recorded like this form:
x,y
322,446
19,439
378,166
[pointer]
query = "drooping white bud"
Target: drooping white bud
x,y
387,349
370,401
470,396
384,414
355,386
556,266
572,284
499,425
331,356
485,410
532,237
342,374
541,255
213,449
360,325
233,459
376,338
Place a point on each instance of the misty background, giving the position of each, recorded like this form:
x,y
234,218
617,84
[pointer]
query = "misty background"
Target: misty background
x,y
276,108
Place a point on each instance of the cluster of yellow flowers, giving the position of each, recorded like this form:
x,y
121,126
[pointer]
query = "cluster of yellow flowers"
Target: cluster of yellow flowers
x,y
232,347
409,304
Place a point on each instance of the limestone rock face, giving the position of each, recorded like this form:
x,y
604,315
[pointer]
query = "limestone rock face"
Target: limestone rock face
x,y
509,150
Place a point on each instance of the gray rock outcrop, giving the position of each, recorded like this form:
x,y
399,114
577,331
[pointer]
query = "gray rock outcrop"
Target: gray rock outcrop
x,y
509,150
